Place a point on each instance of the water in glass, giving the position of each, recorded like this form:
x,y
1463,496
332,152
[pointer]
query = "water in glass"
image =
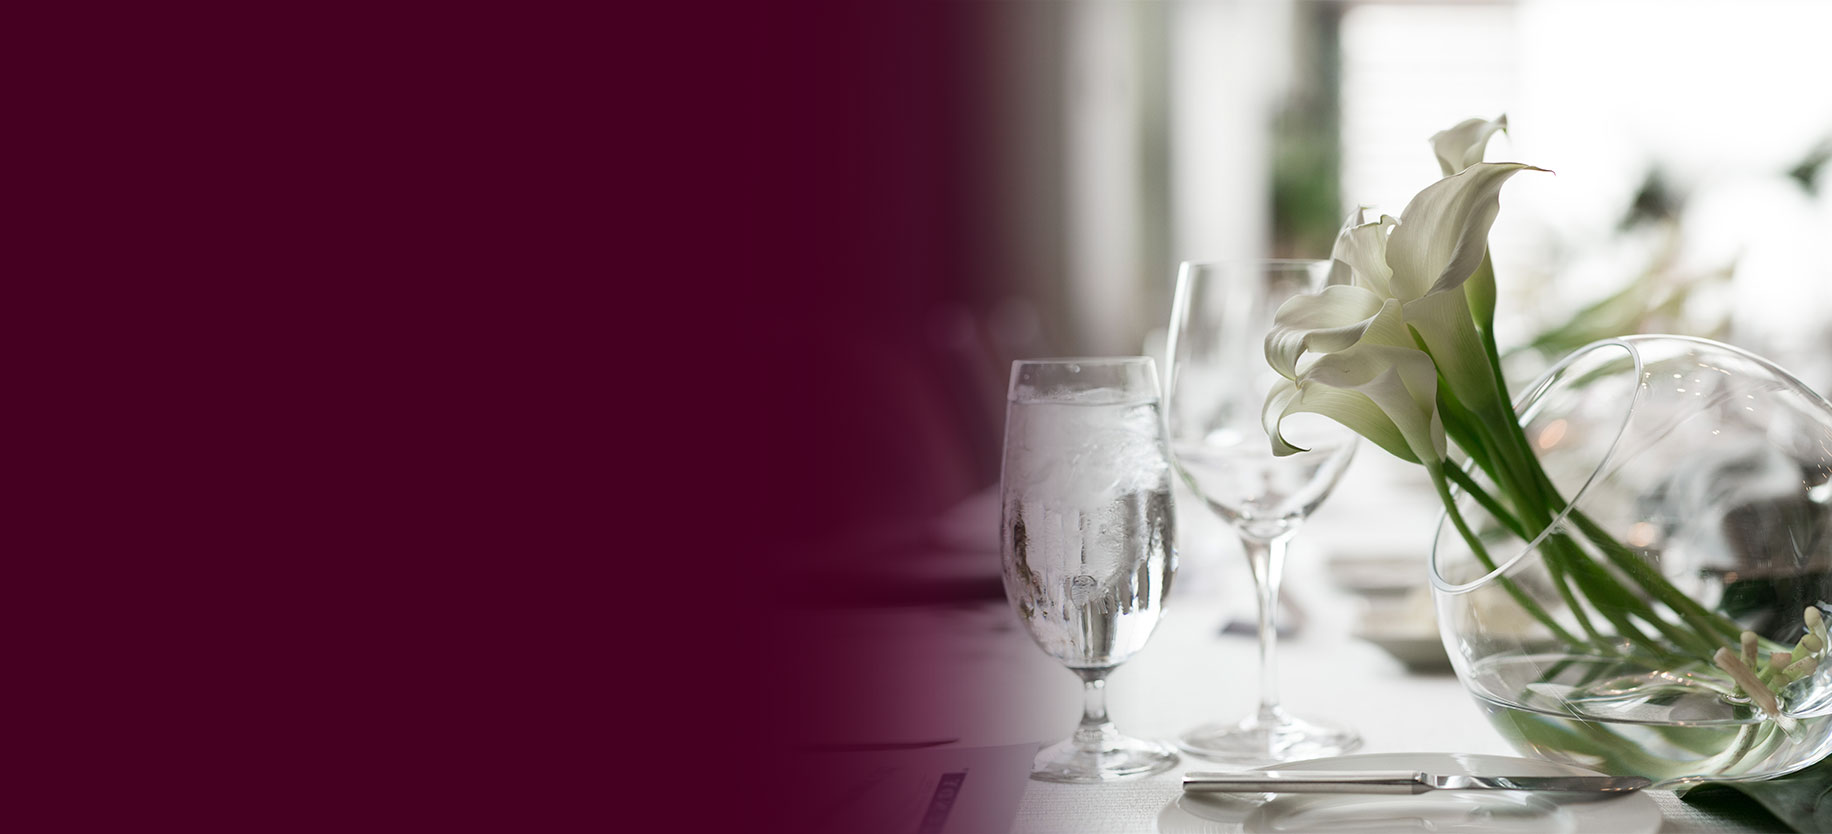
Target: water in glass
x,y
1088,520
1088,539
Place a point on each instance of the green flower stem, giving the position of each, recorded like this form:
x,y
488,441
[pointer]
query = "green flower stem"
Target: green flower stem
x,y
1485,327
1644,575
1459,424
1756,743
1703,621
1607,596
1698,741
1612,599
1526,479
1745,741
1490,434
1436,470
1494,509
1466,427
1706,630
1563,584
1515,469
1563,736
1489,504
1619,603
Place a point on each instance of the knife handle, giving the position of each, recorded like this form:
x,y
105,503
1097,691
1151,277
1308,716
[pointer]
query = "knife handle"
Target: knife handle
x,y
1308,781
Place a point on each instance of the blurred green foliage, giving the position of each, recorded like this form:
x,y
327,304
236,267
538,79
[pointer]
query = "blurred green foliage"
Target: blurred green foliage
x,y
1306,144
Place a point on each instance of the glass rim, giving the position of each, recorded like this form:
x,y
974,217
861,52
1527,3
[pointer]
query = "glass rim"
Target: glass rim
x,y
1281,262
1188,272
1084,360
1137,374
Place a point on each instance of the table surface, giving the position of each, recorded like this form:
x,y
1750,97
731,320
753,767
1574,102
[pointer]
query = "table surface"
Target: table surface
x,y
1191,673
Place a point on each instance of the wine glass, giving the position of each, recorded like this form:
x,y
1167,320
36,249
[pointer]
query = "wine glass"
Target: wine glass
x,y
1217,378
1088,539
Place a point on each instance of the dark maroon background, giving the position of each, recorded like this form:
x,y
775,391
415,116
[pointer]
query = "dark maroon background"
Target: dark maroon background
x,y
421,408
867,237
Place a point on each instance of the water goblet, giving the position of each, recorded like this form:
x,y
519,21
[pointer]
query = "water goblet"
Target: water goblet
x,y
1088,539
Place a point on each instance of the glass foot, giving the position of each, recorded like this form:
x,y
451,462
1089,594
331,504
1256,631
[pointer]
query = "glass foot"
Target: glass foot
x,y
1268,738
1110,758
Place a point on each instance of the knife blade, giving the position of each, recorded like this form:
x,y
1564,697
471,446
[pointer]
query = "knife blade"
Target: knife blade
x,y
1400,782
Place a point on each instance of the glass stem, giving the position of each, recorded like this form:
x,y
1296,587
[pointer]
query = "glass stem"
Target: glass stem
x,y
1095,727
1267,559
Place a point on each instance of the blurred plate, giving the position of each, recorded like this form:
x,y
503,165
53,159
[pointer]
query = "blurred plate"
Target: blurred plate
x,y
1407,628
1419,652
1377,575
1446,811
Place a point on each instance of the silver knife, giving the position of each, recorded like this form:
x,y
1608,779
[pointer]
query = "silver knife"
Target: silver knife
x,y
1399,782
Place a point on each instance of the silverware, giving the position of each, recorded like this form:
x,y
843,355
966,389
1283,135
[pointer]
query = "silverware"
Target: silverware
x,y
1399,782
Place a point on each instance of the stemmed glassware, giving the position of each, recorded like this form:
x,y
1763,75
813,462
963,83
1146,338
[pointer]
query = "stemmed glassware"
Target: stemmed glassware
x,y
1088,535
1217,379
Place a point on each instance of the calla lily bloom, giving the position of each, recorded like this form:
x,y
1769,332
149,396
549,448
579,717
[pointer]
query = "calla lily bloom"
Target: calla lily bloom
x,y
1457,149
1407,274
1463,145
1360,255
1370,377
1405,290
1443,232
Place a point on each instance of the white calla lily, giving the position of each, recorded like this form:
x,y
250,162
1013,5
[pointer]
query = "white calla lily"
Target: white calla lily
x,y
1439,244
1457,149
1400,350
1480,289
1401,319
1361,250
1352,409
1400,382
1444,324
1463,145
1379,385
1382,393
1331,320
1443,232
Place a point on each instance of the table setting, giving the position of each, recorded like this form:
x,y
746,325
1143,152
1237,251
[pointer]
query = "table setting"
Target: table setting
x,y
1594,600
1329,558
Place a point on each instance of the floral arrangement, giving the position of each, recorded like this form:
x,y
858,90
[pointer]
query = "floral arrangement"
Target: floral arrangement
x,y
1400,348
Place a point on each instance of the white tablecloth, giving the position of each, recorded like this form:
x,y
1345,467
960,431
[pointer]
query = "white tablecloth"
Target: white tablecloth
x,y
983,682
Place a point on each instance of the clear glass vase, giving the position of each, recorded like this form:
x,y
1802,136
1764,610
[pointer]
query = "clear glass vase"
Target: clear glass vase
x,y
1686,500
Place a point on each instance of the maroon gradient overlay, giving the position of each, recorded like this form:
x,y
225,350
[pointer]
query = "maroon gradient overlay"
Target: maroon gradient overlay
x,y
885,406
324,363
434,408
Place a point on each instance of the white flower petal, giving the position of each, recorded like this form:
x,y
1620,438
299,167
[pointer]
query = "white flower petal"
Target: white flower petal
x,y
1382,387
1443,232
1352,409
1388,327
1279,402
1462,146
1402,382
1480,289
1362,249
1457,149
1327,321
1443,321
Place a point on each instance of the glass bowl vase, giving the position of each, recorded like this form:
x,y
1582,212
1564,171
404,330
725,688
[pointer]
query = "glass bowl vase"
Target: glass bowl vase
x,y
1666,616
